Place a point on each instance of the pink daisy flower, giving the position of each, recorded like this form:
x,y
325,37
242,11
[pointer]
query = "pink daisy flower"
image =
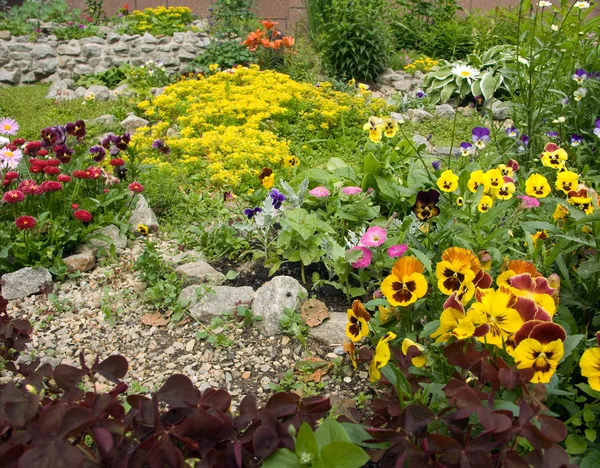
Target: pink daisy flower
x,y
374,237
351,190
10,158
397,250
365,260
8,126
319,192
529,202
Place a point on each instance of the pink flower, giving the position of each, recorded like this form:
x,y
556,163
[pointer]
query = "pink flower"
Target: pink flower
x,y
319,192
8,126
351,190
365,259
529,202
397,250
374,237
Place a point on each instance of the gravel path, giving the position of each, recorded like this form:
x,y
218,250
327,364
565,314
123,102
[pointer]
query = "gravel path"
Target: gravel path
x,y
100,311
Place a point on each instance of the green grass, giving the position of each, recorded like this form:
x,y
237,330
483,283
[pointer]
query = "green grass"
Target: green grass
x,y
30,108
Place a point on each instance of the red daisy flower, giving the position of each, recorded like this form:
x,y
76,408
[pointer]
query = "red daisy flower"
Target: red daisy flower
x,y
80,174
64,178
50,186
83,215
51,170
18,141
52,162
136,187
117,162
74,206
11,175
42,152
13,196
25,223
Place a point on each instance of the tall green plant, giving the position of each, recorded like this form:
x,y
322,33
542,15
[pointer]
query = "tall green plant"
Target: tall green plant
x,y
316,17
357,40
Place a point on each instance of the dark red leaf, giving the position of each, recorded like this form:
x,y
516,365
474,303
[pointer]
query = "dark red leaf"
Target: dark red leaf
x,y
514,460
552,428
283,404
509,379
67,377
461,355
75,420
234,455
217,399
318,405
264,442
415,417
103,438
555,457
178,391
163,454
54,455
112,368
248,412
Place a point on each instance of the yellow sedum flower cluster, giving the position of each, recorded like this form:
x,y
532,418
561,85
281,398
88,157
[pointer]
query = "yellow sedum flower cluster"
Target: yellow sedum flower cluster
x,y
424,64
154,20
228,122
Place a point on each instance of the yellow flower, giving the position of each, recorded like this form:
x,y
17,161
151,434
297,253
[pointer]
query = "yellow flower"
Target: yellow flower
x,y
543,358
90,97
590,367
553,156
493,180
351,82
268,181
363,87
540,235
455,323
460,201
560,212
477,178
385,314
505,191
142,229
357,327
390,127
537,186
457,268
584,203
406,284
448,181
213,67
495,308
485,203
291,161
417,361
381,357
566,181
505,170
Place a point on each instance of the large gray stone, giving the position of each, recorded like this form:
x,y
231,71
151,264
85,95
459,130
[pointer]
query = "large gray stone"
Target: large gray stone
x,y
113,233
132,122
72,48
282,292
24,282
100,92
199,272
112,37
92,50
148,38
143,214
332,331
105,120
418,115
10,76
41,51
500,110
83,261
5,35
215,302
446,111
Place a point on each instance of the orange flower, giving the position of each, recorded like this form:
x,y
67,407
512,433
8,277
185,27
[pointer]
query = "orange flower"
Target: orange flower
x,y
288,41
406,284
268,23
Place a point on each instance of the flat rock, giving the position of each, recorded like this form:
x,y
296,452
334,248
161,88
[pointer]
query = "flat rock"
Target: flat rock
x,y
100,92
84,261
132,122
198,273
446,111
117,239
24,282
143,214
106,120
418,115
282,292
217,301
184,257
332,331
500,110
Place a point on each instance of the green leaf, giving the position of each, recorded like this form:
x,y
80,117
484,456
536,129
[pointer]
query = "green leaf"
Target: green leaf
x,y
489,83
588,268
570,344
306,442
533,226
575,444
591,460
371,165
423,258
358,435
282,458
429,329
343,455
330,431
588,390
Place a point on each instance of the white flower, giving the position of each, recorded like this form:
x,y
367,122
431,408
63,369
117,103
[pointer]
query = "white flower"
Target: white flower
x,y
465,71
580,93
305,458
4,142
544,3
559,120
582,5
523,60
554,27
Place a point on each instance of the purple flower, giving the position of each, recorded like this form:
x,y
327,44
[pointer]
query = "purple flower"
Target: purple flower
x,y
565,101
552,134
365,259
580,75
108,140
480,136
99,153
52,136
576,140
161,147
63,153
421,94
597,128
523,142
277,197
436,165
397,250
80,26
251,212
466,148
512,132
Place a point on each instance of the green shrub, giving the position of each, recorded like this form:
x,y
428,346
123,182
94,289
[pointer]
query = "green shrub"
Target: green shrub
x,y
226,54
110,78
357,40
14,18
233,17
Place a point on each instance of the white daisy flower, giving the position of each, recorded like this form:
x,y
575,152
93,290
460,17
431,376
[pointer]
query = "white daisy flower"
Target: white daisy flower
x,y
465,71
582,5
544,4
554,27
